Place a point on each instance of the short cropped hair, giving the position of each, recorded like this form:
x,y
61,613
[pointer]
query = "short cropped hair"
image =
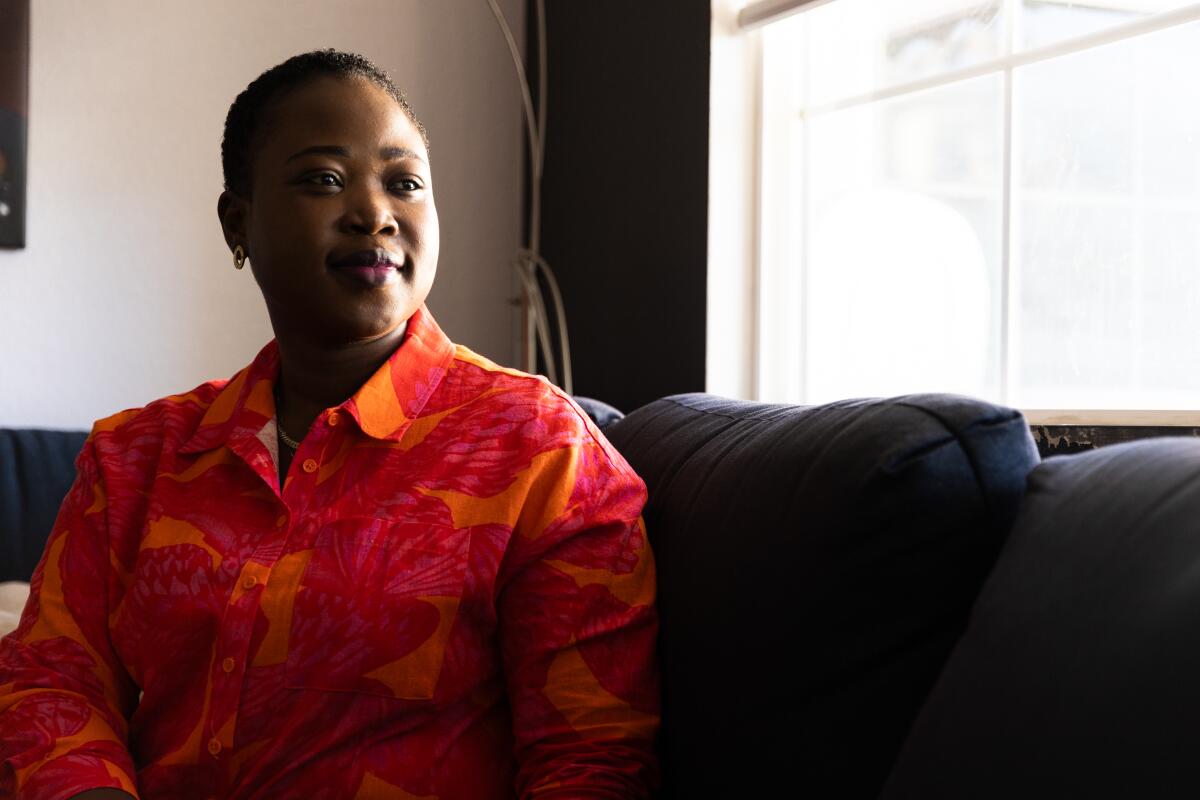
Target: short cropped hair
x,y
246,115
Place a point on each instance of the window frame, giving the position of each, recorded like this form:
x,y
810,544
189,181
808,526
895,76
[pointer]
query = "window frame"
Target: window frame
x,y
753,17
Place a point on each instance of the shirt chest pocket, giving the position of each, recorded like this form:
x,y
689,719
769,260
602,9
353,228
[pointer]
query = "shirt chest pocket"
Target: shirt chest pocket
x,y
375,607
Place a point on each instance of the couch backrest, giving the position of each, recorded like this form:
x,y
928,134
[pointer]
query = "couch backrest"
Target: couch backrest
x,y
37,468
1079,672
816,566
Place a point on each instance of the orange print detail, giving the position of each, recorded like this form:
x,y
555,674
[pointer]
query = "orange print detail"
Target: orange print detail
x,y
203,464
590,709
633,588
375,788
225,734
109,424
118,775
335,464
247,582
474,359
548,499
542,788
262,398
423,426
96,729
528,504
278,601
378,407
245,754
54,617
166,532
100,499
226,402
415,675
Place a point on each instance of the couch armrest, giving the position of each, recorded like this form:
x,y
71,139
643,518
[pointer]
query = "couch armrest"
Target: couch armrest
x,y
816,566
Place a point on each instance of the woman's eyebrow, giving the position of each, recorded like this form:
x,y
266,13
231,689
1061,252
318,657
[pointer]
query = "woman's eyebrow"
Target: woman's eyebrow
x,y
393,153
387,153
326,149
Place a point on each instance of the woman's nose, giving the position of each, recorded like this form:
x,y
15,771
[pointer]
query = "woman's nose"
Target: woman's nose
x,y
370,213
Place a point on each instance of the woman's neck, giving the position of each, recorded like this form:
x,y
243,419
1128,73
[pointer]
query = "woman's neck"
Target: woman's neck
x,y
313,377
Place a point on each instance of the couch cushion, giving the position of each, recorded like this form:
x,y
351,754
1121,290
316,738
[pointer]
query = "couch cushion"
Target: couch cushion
x,y
815,567
37,468
601,413
1079,674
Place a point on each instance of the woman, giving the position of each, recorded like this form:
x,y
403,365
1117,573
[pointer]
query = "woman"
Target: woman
x,y
372,564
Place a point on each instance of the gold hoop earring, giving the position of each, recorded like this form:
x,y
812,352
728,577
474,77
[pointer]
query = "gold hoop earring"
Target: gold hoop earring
x,y
239,257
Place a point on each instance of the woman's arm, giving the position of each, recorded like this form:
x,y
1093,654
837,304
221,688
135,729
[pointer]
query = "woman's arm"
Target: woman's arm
x,y
64,694
578,630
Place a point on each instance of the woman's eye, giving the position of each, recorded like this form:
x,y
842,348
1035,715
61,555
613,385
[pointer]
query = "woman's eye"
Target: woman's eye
x,y
324,179
407,185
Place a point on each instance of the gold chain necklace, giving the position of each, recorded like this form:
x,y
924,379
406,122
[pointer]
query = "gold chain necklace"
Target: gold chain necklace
x,y
292,444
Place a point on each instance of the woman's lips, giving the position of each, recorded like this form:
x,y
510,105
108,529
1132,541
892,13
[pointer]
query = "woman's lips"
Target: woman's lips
x,y
369,276
369,268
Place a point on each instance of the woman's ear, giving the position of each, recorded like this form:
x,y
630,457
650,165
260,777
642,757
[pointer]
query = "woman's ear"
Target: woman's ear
x,y
231,211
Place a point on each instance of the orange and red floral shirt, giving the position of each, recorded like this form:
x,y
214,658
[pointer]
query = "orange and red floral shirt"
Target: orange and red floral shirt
x,y
451,596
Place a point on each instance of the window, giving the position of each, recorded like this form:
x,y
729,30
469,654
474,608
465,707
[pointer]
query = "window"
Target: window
x,y
997,198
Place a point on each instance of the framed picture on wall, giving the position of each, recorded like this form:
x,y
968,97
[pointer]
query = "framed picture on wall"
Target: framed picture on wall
x,y
14,119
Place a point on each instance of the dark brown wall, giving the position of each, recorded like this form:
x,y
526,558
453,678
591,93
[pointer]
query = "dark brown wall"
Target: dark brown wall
x,y
625,191
14,55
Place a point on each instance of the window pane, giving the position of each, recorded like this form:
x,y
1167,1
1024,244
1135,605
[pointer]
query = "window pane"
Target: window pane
x,y
781,234
1106,218
858,46
904,250
1043,22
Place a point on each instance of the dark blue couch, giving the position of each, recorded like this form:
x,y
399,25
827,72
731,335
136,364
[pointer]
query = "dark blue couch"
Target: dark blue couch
x,y
36,470
849,607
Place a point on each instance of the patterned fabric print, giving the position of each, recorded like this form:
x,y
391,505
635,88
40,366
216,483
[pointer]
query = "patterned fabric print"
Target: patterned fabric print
x,y
452,597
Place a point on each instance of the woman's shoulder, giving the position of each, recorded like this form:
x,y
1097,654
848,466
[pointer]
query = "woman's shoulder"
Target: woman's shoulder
x,y
469,361
168,419
536,407
474,375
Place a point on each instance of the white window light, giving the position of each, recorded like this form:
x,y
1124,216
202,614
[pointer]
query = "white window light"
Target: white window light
x,y
1000,198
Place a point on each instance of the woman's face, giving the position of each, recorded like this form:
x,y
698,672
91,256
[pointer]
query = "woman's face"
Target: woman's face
x,y
340,228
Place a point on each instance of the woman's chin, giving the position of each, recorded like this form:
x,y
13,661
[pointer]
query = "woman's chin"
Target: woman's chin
x,y
371,327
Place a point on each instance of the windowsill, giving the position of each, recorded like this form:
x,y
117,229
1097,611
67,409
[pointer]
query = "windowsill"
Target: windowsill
x,y
1117,418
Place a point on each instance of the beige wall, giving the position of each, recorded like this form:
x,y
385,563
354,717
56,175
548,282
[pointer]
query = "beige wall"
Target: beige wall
x,y
126,291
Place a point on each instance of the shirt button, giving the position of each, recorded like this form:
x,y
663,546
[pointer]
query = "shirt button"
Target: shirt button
x,y
227,665
279,523
214,747
249,582
334,419
310,465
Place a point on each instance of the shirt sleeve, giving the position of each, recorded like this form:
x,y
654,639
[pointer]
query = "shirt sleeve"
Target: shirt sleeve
x,y
64,695
578,629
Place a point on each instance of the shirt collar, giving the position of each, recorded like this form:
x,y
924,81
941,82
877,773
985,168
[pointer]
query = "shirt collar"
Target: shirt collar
x,y
383,407
393,397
